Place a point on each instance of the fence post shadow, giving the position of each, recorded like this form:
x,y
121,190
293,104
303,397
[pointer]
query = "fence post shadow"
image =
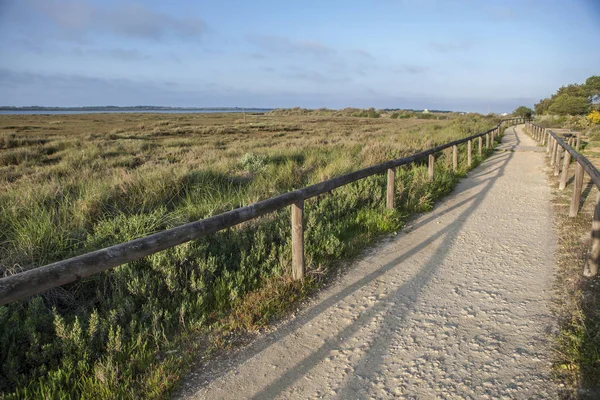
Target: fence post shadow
x,y
409,289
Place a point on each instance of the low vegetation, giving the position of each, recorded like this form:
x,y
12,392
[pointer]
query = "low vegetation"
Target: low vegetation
x,y
74,183
577,348
370,113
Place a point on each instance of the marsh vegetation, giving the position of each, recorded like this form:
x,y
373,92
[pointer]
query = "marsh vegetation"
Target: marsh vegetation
x,y
74,183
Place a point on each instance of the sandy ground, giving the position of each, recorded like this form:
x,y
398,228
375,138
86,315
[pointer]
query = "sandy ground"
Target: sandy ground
x,y
455,306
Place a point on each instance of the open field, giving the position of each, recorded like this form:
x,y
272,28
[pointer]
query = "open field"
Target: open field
x,y
75,183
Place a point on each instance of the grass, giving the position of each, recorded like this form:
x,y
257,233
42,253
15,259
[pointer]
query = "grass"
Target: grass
x,y
577,298
577,347
74,183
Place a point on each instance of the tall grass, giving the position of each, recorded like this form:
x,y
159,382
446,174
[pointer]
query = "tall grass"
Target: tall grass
x,y
126,332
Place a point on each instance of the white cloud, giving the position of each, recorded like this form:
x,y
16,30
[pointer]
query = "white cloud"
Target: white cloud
x,y
129,19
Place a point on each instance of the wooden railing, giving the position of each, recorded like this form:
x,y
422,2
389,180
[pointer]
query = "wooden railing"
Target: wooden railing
x,y
38,280
562,151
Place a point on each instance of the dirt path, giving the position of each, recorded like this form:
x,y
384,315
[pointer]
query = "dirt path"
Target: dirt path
x,y
455,306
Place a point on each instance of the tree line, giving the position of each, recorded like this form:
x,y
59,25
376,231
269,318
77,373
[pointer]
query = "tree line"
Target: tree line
x,y
573,99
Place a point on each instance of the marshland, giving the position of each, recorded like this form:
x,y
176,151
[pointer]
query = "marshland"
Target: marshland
x,y
71,184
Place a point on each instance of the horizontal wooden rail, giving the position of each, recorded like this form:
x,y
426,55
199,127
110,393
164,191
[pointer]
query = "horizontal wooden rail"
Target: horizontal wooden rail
x,y
38,280
556,146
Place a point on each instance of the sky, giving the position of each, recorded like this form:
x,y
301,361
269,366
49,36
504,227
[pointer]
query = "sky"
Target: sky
x,y
467,55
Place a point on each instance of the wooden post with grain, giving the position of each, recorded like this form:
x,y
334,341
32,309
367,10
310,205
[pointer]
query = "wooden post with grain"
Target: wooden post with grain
x,y
391,184
544,136
559,152
455,158
469,153
480,146
574,210
298,269
591,266
565,171
553,154
431,164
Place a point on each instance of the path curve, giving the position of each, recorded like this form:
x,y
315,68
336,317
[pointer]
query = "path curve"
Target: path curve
x,y
455,306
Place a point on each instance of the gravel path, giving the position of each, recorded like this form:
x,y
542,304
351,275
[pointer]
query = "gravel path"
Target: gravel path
x,y
455,306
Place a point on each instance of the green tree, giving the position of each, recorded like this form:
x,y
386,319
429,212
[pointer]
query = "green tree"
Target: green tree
x,y
542,107
523,112
592,88
565,104
574,90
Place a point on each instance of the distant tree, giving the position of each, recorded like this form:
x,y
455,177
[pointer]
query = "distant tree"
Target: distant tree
x,y
523,112
574,90
565,104
574,99
592,88
542,107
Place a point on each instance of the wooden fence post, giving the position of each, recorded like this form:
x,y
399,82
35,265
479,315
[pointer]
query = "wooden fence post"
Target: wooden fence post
x,y
469,153
487,140
391,185
455,158
574,210
493,139
298,269
544,136
553,154
480,145
565,171
591,266
431,164
559,152
578,140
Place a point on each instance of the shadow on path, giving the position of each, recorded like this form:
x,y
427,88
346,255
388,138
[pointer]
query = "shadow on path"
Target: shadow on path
x,y
405,296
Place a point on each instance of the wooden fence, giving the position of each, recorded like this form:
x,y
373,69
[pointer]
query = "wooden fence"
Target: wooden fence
x,y
561,152
38,280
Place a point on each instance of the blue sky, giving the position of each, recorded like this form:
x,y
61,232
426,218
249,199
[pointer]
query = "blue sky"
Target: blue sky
x,y
471,55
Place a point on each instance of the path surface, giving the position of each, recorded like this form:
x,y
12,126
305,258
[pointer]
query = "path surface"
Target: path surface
x,y
455,306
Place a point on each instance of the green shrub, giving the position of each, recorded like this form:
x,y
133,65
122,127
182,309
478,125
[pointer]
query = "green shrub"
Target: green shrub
x,y
251,162
370,113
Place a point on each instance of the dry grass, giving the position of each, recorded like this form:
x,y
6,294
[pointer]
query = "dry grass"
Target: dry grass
x,y
75,183
577,298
